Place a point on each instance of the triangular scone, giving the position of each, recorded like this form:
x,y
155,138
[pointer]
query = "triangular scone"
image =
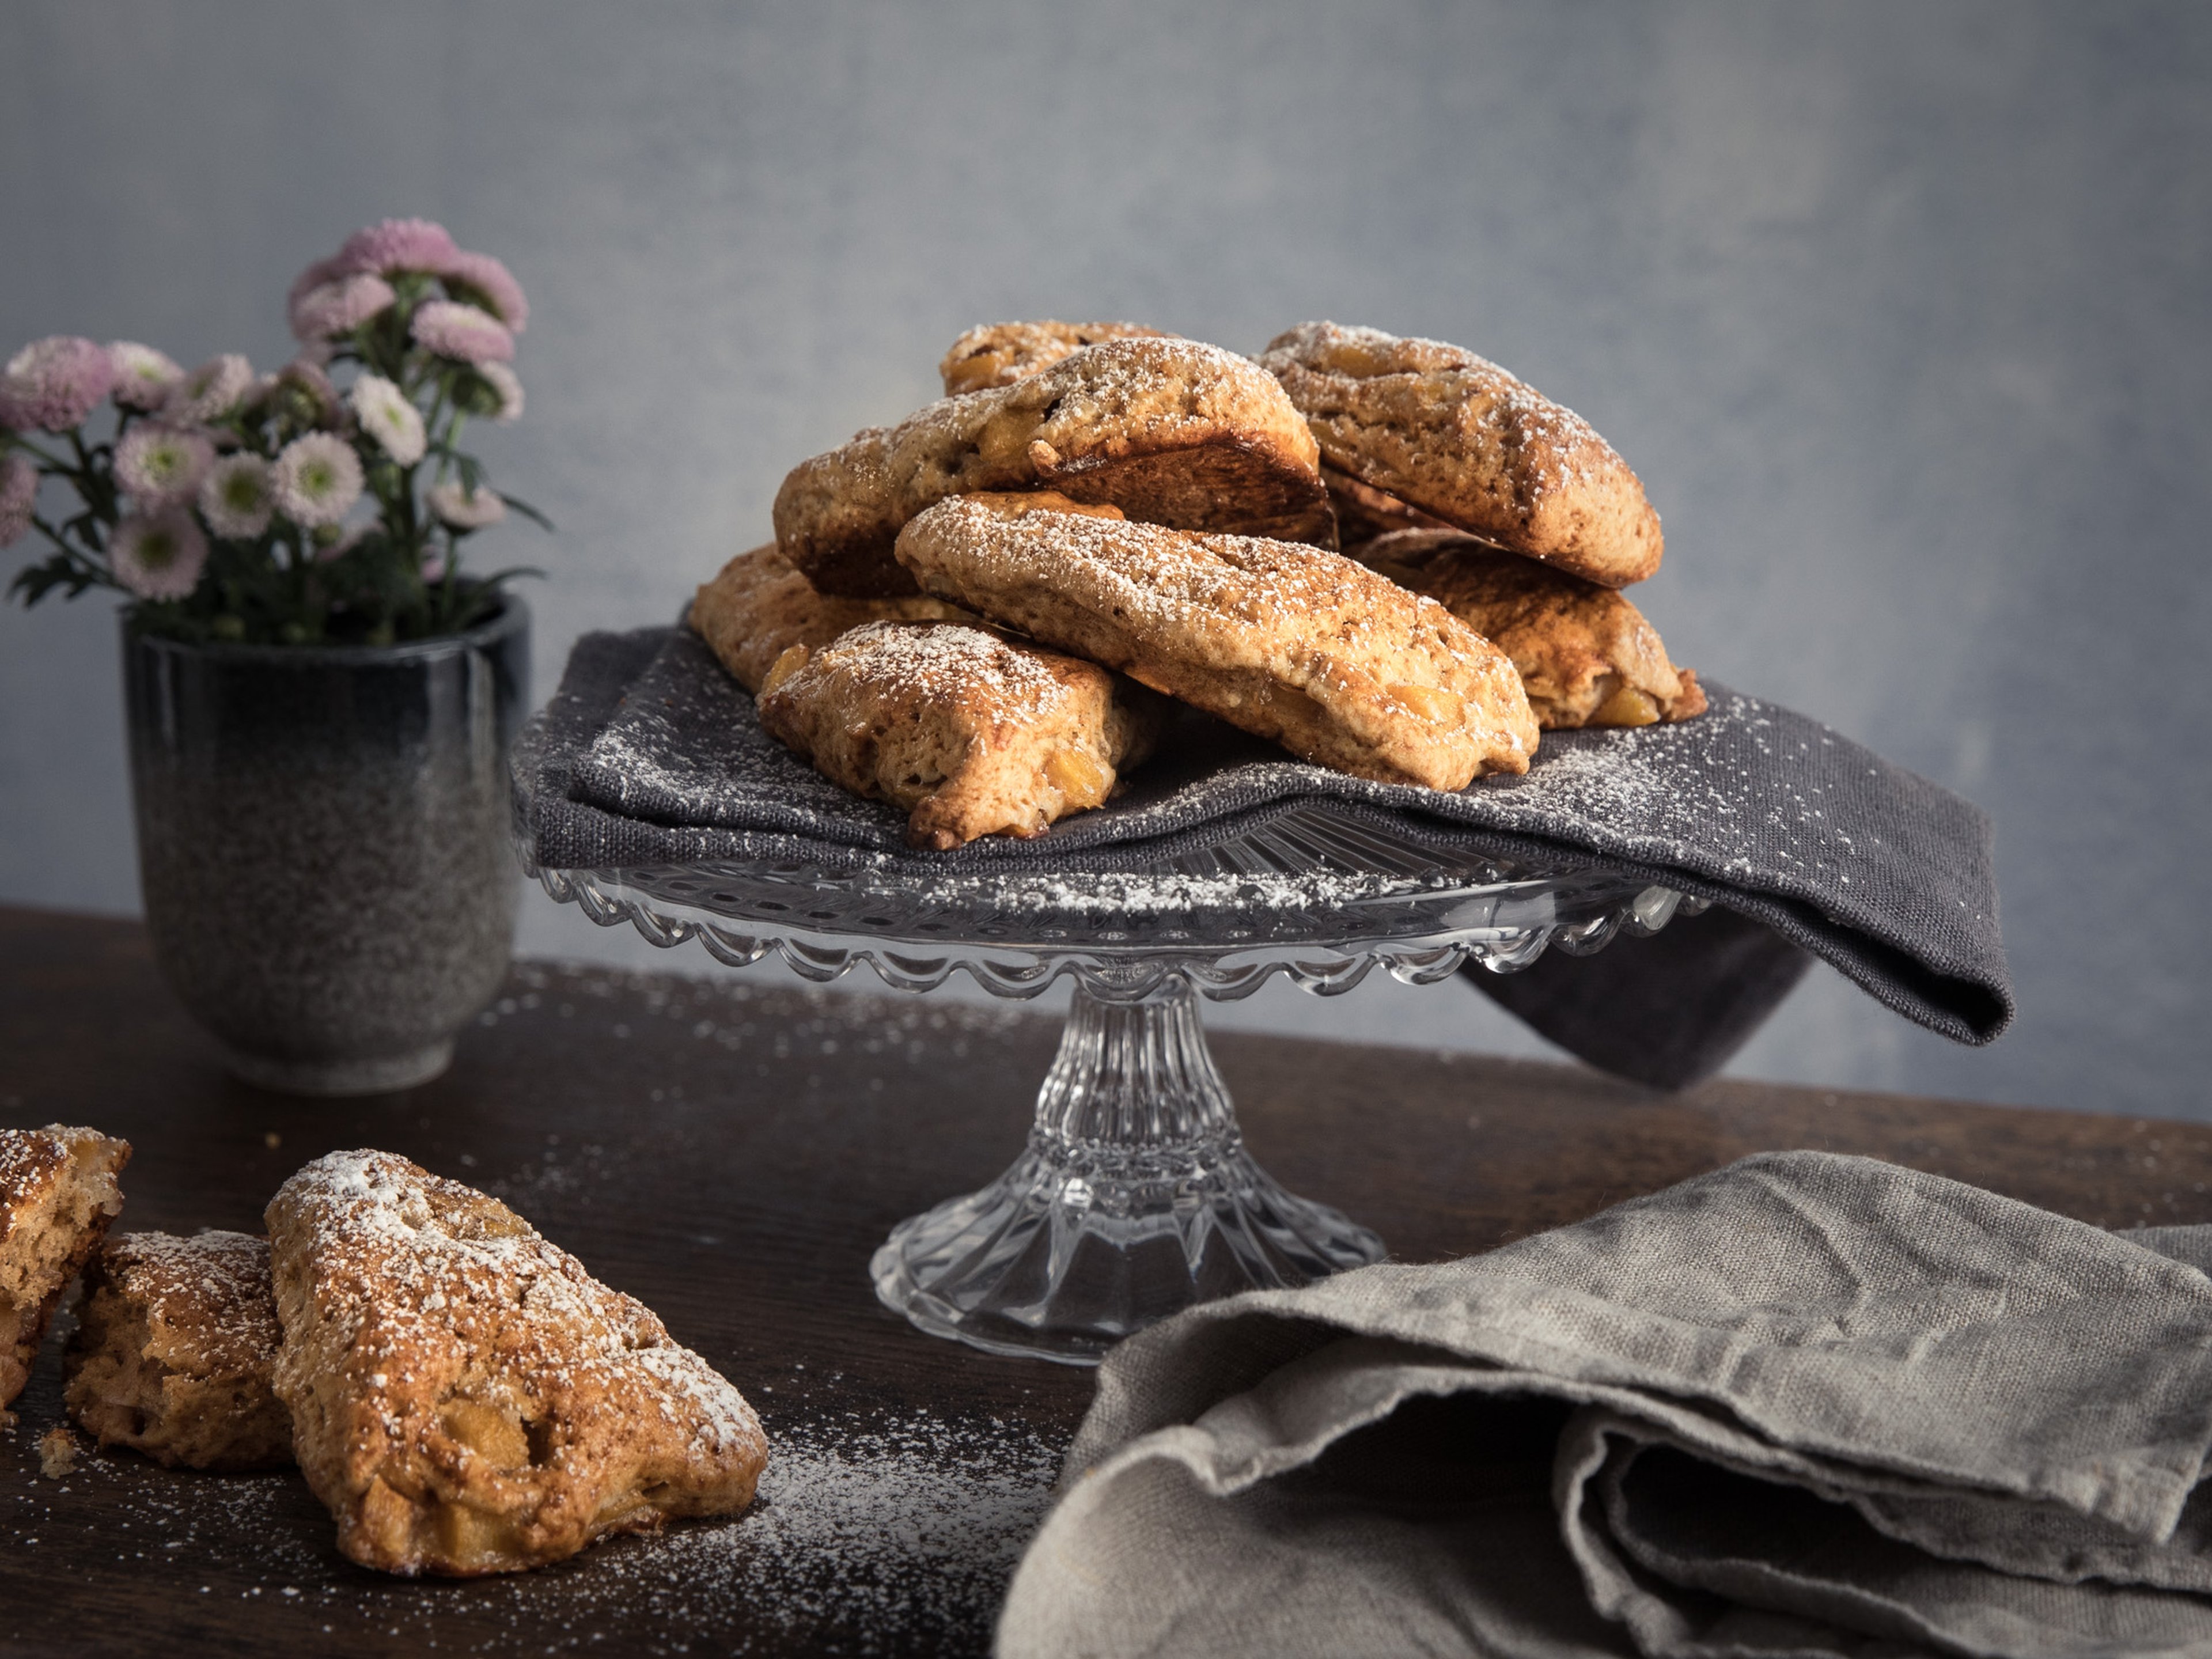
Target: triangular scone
x,y
759,607
1456,436
1000,354
174,1347
1586,655
970,733
1170,431
57,1193
465,1397
1298,644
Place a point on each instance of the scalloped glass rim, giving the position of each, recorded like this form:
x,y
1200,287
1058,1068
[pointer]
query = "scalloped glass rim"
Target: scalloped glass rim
x,y
1317,897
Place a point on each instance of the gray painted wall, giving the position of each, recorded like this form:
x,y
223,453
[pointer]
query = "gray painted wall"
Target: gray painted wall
x,y
1902,311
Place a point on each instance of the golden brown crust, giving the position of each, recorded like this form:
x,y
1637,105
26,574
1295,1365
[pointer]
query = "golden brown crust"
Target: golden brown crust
x,y
1586,656
1456,436
173,1354
465,1399
973,734
759,607
1293,642
1000,354
57,1193
1170,431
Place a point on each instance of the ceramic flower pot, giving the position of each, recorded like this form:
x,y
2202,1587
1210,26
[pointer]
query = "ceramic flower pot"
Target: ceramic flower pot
x,y
324,842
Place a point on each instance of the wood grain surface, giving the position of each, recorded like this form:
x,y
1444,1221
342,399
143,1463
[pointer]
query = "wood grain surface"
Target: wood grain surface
x,y
732,1151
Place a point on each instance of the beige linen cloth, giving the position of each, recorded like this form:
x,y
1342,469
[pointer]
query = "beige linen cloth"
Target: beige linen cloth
x,y
1804,1407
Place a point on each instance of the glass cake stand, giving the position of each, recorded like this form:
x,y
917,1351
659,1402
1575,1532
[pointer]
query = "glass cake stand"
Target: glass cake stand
x,y
1135,1196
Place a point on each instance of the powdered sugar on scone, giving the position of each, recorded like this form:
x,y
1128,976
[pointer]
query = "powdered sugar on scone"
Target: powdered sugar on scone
x,y
465,1398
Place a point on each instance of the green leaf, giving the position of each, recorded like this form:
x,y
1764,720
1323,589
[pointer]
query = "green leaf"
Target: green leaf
x,y
527,510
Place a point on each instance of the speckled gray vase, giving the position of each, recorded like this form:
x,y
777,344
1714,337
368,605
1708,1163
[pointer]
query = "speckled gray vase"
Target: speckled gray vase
x,y
325,844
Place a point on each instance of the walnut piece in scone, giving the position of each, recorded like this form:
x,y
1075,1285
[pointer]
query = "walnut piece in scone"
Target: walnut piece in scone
x,y
173,1353
1585,654
759,607
1456,436
1000,354
465,1399
1169,431
972,734
1340,666
57,1193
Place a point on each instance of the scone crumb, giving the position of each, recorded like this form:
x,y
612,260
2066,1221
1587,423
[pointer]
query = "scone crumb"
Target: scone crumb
x,y
57,1452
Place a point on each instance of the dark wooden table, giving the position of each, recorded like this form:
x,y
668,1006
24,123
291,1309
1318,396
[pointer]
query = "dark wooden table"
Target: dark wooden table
x,y
731,1152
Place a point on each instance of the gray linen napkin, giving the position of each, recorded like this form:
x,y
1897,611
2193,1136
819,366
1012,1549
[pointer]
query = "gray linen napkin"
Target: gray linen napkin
x,y
1805,1406
1766,813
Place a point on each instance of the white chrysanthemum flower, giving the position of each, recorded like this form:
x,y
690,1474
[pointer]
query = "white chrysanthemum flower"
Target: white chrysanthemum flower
x,y
158,556
143,376
237,497
466,510
509,387
386,415
210,392
160,465
317,479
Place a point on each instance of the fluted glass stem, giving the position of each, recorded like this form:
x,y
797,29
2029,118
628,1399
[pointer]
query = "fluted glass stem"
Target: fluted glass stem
x,y
1134,1199
1133,1074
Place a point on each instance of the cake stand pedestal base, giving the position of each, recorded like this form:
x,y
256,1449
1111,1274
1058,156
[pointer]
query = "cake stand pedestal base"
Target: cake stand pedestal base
x,y
1134,1200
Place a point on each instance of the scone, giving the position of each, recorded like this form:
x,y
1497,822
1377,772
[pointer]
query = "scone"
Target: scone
x,y
57,1193
759,607
173,1355
1000,354
1340,666
1585,654
1170,431
1447,432
972,734
465,1399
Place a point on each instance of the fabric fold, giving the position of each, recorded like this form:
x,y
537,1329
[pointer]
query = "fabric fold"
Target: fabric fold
x,y
1807,1404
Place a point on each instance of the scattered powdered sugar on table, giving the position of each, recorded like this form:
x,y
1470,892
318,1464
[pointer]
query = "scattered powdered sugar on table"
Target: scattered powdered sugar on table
x,y
883,1532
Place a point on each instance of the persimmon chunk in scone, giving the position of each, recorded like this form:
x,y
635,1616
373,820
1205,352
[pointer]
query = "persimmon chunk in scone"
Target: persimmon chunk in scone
x,y
57,1193
1169,431
1457,437
758,607
1585,654
175,1350
971,734
1000,354
465,1399
1295,643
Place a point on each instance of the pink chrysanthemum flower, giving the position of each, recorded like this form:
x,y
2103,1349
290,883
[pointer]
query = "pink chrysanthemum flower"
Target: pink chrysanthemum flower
x,y
339,307
398,244
484,281
143,375
386,416
54,383
161,465
237,497
210,392
317,479
504,382
453,329
19,493
316,275
465,510
158,556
